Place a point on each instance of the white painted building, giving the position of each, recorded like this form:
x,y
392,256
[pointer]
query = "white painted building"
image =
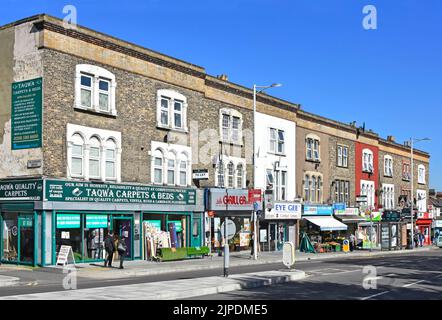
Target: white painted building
x,y
276,156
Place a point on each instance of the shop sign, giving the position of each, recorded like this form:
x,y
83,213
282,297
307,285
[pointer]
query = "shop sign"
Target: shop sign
x,y
68,221
348,212
24,190
200,174
284,210
96,221
26,114
318,210
339,206
230,200
391,216
72,191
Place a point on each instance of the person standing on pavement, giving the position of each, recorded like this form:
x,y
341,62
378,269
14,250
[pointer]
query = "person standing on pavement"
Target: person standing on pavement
x,y
121,248
110,248
352,242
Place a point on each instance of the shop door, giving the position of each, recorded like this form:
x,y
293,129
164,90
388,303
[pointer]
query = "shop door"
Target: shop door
x,y
26,239
196,232
123,227
272,236
17,238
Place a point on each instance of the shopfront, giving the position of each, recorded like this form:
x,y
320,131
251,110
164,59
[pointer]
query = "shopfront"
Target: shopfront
x,y
325,232
368,234
49,214
350,217
393,231
423,225
279,225
234,204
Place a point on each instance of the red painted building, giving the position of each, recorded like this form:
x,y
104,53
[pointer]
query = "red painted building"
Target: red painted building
x,y
367,173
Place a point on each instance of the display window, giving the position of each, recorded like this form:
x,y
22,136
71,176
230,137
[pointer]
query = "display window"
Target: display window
x,y
18,238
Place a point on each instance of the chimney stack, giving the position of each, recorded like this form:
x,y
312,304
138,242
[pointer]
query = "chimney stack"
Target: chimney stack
x,y
391,138
223,77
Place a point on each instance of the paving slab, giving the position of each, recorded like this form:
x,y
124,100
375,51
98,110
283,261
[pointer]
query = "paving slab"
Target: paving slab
x,y
171,290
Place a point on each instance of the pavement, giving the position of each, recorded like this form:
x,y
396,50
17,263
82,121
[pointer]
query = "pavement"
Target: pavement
x,y
177,289
138,268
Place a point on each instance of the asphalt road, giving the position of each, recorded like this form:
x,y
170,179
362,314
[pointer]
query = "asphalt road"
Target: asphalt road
x,y
411,275
416,276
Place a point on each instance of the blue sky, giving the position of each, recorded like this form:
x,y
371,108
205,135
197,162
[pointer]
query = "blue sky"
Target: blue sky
x,y
389,78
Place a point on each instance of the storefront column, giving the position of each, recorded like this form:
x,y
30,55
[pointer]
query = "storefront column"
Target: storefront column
x,y
137,234
35,239
53,247
43,238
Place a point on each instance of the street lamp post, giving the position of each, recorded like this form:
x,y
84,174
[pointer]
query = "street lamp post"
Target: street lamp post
x,y
412,186
274,85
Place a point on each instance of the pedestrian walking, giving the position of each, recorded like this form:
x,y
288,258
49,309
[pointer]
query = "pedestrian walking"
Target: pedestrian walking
x,y
352,242
121,248
421,239
109,246
416,239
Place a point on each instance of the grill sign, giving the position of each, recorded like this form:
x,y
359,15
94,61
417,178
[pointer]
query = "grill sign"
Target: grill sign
x,y
222,200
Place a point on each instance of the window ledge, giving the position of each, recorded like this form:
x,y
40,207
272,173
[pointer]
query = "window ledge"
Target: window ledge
x,y
366,171
313,160
343,167
96,111
388,176
159,126
239,144
277,154
422,183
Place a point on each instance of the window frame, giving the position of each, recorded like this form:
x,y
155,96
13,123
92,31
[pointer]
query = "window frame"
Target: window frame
x,y
172,97
96,74
229,130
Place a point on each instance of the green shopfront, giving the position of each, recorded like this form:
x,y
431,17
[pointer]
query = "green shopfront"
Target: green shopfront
x,y
39,216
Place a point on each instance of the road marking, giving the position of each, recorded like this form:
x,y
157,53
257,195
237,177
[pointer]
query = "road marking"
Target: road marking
x,y
375,295
411,284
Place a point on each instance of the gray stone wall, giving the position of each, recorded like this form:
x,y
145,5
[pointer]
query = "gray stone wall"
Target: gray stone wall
x,y
136,119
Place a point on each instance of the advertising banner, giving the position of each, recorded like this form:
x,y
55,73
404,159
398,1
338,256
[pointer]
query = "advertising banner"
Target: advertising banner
x,y
26,114
73,191
229,200
68,221
21,190
284,210
96,221
318,210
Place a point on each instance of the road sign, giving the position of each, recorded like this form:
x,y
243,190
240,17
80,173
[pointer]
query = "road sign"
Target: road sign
x,y
231,229
288,254
255,195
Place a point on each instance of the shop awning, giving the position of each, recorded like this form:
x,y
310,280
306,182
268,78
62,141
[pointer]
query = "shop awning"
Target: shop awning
x,y
350,218
327,223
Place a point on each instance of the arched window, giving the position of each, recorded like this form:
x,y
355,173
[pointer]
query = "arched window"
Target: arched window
x,y
158,166
306,188
230,174
319,193
182,161
221,174
77,155
111,158
239,176
94,158
313,190
171,168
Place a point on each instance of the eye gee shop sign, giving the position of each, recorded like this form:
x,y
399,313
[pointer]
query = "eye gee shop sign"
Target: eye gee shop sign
x,y
26,190
72,191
